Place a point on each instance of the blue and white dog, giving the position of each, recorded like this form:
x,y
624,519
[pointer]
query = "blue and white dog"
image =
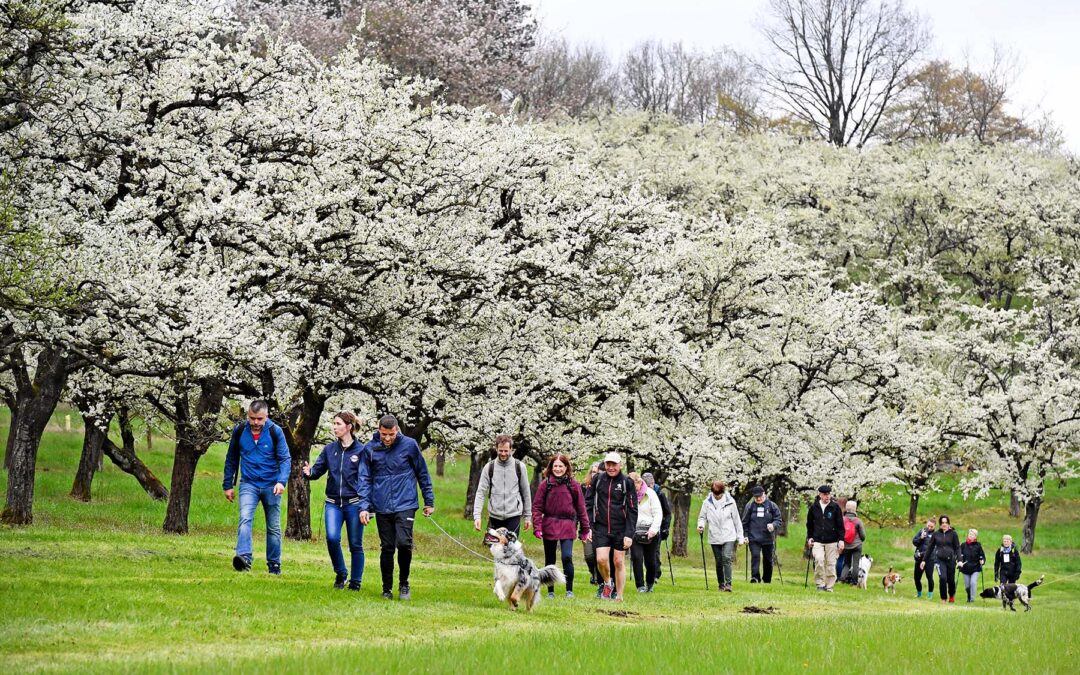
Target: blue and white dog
x,y
517,579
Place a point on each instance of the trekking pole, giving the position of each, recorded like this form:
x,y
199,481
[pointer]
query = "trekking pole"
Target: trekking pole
x,y
776,559
746,564
806,579
701,538
669,570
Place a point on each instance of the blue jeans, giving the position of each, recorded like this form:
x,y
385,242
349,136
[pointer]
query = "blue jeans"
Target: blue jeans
x,y
250,497
349,514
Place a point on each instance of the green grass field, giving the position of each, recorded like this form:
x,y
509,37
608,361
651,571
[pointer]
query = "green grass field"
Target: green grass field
x,y
98,588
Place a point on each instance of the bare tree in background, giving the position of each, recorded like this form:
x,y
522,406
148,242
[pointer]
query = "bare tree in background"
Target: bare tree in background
x,y
574,81
838,64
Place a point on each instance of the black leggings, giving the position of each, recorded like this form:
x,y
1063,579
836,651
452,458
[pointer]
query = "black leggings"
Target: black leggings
x,y
946,570
567,546
645,555
919,572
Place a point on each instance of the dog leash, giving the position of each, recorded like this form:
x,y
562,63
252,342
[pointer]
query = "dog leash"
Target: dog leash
x,y
451,537
1047,583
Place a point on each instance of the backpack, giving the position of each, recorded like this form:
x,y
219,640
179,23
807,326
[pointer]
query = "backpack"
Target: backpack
x,y
518,465
850,532
237,431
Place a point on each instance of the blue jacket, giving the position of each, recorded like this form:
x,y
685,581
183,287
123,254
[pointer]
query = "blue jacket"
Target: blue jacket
x,y
344,467
388,476
263,463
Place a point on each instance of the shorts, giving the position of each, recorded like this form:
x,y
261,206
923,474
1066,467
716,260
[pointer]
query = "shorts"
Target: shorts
x,y
605,540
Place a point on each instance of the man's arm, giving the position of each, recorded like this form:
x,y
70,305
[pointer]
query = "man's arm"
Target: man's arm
x,y
424,478
631,510
481,493
523,488
281,453
232,459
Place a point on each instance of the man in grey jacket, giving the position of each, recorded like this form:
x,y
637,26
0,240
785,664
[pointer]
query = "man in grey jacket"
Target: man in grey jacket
x,y
508,482
761,518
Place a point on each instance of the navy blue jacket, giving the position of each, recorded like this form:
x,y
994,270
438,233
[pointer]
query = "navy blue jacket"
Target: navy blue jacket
x,y
756,519
263,463
343,485
388,476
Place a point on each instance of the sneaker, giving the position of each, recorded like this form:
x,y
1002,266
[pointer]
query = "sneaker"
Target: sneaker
x,y
821,588
551,595
641,589
569,594
918,594
608,592
930,595
727,588
616,597
274,568
387,595
241,564
354,585
403,593
649,588
755,581
828,590
339,581
600,591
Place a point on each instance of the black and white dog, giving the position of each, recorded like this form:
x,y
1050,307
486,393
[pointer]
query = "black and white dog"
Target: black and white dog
x,y
517,579
1010,593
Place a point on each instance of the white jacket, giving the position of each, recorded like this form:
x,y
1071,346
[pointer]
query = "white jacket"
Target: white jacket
x,y
722,517
649,513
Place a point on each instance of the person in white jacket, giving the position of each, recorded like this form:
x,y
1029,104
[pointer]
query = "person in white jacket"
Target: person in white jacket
x,y
721,514
646,535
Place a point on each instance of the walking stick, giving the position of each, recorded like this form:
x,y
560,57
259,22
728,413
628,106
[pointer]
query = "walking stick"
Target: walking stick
x,y
776,559
746,565
669,570
806,579
701,538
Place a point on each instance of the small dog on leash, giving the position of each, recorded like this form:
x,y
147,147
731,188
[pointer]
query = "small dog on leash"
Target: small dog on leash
x,y
889,581
1010,593
517,579
864,571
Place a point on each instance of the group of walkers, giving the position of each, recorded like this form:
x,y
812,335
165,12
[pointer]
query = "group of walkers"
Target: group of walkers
x,y
612,513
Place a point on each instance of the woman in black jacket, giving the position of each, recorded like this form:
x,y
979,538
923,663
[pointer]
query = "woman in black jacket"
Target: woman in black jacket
x,y
972,560
942,551
590,553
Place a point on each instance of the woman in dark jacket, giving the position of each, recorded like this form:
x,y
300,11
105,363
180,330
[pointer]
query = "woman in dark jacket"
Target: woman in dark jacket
x,y
340,459
559,512
942,551
1007,566
972,560
590,553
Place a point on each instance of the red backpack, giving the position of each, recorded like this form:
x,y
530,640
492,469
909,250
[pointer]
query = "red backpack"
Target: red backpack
x,y
849,531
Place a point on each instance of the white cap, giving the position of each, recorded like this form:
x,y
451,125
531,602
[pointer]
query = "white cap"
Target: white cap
x,y
612,457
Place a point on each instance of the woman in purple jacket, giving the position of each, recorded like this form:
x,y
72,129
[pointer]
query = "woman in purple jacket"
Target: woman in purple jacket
x,y
559,513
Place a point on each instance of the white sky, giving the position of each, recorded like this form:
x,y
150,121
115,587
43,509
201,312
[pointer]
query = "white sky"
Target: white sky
x,y
1045,34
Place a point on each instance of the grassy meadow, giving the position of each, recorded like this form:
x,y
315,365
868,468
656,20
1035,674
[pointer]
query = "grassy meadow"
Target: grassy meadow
x,y
97,587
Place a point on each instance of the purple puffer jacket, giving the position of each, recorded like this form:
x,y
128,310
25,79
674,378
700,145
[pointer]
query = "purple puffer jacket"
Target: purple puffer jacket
x,y
558,509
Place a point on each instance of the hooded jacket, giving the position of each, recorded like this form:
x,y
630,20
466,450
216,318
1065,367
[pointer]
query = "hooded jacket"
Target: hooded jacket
x,y
508,483
756,519
650,513
722,516
388,476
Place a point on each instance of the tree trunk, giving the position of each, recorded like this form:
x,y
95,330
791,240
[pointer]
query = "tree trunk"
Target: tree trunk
x,y
90,461
440,462
1014,505
477,460
680,520
913,508
780,494
125,459
1031,517
300,429
34,404
194,434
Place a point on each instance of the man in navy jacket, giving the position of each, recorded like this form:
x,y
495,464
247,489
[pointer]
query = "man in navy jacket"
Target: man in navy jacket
x,y
258,451
390,467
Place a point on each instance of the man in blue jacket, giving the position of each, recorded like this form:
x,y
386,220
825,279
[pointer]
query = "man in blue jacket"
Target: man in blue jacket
x,y
390,467
257,449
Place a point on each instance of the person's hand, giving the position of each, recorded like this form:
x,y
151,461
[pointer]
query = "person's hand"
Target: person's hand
x,y
770,527
538,534
428,510
278,489
306,470
588,537
528,525
922,566
230,494
626,542
476,524
700,530
809,542
839,546
653,533
365,517
745,540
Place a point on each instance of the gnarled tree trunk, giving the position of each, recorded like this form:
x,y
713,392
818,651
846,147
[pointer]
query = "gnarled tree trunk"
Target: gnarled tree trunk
x,y
90,460
477,460
1031,518
125,459
1014,505
301,425
194,434
680,520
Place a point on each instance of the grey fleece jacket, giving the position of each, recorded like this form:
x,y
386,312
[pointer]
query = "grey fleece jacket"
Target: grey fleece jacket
x,y
509,493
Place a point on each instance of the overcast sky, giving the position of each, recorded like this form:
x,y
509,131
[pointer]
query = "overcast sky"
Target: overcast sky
x,y
1045,34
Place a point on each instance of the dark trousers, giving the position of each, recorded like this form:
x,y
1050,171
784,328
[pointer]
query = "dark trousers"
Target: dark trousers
x,y
761,554
929,572
395,534
946,570
567,548
644,555
512,524
659,563
852,556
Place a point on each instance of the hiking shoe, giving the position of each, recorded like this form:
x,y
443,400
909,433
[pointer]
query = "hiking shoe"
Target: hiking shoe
x,y
241,564
569,594
828,590
930,595
755,581
551,595
727,588
952,599
600,591
649,587
388,595
918,594
641,589
339,581
403,593
607,592
354,585
274,568
821,588
616,597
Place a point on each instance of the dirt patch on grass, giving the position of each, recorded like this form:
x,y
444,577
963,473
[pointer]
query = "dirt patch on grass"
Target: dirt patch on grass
x,y
753,609
621,613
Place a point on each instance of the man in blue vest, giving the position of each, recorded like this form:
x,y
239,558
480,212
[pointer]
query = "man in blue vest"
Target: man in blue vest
x,y
390,467
258,451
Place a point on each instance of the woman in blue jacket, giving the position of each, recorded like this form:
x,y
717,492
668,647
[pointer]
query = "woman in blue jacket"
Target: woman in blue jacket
x,y
341,459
